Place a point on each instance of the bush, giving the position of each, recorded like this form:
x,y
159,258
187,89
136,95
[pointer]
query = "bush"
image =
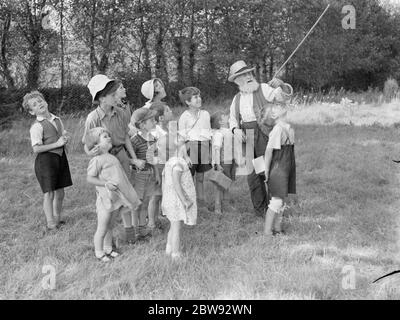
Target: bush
x,y
390,89
75,98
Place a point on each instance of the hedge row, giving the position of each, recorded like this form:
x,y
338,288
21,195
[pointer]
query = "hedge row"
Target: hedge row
x,y
76,98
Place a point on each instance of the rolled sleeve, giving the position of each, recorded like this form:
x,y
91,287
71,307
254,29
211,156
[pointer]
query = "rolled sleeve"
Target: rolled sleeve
x,y
277,94
274,141
233,122
217,139
90,123
36,132
93,168
182,130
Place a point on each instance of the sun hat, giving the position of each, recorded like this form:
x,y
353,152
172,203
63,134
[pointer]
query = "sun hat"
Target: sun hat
x,y
238,68
92,137
148,88
97,84
141,115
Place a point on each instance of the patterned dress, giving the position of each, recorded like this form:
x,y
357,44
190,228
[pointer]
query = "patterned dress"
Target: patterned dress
x,y
171,205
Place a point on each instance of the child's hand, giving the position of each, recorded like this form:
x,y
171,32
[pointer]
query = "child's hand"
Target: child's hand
x,y
158,179
188,161
66,135
110,186
241,136
139,163
95,151
62,141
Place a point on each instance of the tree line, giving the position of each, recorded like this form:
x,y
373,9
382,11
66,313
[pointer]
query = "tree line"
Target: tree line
x,y
193,42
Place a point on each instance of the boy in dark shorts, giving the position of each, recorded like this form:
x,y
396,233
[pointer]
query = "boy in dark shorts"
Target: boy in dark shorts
x,y
194,126
280,167
146,180
48,139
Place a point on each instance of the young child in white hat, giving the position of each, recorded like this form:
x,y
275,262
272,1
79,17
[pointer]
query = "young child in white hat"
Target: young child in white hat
x,y
114,192
280,167
154,91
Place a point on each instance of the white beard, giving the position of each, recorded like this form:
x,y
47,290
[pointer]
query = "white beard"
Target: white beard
x,y
249,87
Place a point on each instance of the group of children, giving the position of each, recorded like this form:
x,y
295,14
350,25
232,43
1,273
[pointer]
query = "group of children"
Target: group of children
x,y
144,162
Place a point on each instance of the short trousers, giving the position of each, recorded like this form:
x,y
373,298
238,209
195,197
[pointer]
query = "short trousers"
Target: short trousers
x,y
202,162
229,170
145,184
52,171
101,211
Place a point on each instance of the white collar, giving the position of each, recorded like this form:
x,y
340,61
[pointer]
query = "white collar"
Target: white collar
x,y
283,124
52,117
149,137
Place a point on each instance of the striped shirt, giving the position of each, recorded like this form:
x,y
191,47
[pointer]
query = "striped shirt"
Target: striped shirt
x,y
141,146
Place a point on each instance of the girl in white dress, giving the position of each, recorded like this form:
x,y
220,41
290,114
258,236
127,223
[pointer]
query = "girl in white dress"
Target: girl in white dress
x,y
178,191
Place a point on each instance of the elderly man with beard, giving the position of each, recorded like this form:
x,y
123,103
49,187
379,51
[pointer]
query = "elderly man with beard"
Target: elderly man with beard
x,y
246,113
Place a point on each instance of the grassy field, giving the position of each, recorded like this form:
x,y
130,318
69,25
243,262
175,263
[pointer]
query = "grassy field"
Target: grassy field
x,y
348,191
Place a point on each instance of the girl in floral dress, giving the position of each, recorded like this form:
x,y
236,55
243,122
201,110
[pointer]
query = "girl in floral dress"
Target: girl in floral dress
x,y
178,191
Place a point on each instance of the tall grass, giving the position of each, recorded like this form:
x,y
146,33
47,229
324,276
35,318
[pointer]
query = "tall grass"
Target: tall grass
x,y
346,215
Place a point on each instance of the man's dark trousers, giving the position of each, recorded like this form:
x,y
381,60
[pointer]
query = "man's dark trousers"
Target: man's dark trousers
x,y
258,140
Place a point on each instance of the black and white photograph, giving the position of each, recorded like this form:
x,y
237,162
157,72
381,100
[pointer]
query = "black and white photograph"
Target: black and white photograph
x,y
218,152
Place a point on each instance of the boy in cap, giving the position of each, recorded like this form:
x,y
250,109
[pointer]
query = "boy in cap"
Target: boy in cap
x,y
280,167
146,180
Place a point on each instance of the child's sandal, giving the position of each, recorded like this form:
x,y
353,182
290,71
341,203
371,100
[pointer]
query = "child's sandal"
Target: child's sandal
x,y
104,258
113,254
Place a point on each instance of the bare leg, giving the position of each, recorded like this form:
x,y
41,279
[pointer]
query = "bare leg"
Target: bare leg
x,y
218,200
200,185
126,219
278,221
153,210
103,219
144,212
107,243
57,204
175,237
48,199
135,216
168,249
269,220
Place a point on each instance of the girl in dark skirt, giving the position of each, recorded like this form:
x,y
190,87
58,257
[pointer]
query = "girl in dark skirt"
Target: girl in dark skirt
x,y
280,168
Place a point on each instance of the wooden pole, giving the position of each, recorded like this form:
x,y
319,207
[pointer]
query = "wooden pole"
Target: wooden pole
x,y
308,33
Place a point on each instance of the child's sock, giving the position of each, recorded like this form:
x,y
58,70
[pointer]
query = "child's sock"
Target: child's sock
x,y
130,235
107,250
99,253
278,222
269,220
168,249
176,255
51,224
